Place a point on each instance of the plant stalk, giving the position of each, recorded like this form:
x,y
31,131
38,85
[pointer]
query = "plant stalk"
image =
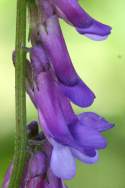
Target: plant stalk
x,y
20,155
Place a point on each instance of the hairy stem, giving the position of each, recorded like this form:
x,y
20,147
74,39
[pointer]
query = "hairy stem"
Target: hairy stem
x,y
20,97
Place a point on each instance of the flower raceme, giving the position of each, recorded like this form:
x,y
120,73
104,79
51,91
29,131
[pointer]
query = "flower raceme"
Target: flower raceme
x,y
72,136
52,83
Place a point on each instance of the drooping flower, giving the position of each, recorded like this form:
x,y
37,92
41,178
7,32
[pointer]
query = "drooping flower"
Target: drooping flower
x,y
78,93
54,82
51,39
72,136
51,82
71,11
65,131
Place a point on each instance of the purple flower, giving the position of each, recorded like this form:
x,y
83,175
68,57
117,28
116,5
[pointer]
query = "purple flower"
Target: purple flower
x,y
72,136
52,40
71,11
51,82
86,134
54,82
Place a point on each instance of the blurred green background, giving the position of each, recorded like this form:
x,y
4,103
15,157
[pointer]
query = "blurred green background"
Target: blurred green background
x,y
101,65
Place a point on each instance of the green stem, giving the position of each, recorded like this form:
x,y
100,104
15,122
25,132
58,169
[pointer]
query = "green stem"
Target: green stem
x,y
20,97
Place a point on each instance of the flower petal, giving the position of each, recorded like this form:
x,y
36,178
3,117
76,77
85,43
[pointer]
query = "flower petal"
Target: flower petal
x,y
97,31
39,59
72,12
85,158
49,101
79,94
53,41
63,154
91,119
88,137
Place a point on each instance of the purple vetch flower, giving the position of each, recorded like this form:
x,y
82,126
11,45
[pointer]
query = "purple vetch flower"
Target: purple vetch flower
x,y
78,93
52,40
54,44
71,136
55,81
71,11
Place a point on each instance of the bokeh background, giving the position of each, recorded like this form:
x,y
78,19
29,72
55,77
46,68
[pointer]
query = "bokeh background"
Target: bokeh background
x,y
101,65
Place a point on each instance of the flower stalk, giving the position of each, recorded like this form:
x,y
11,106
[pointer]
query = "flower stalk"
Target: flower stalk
x,y
20,97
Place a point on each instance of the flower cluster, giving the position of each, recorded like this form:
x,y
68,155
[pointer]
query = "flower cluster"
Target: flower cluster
x,y
52,84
